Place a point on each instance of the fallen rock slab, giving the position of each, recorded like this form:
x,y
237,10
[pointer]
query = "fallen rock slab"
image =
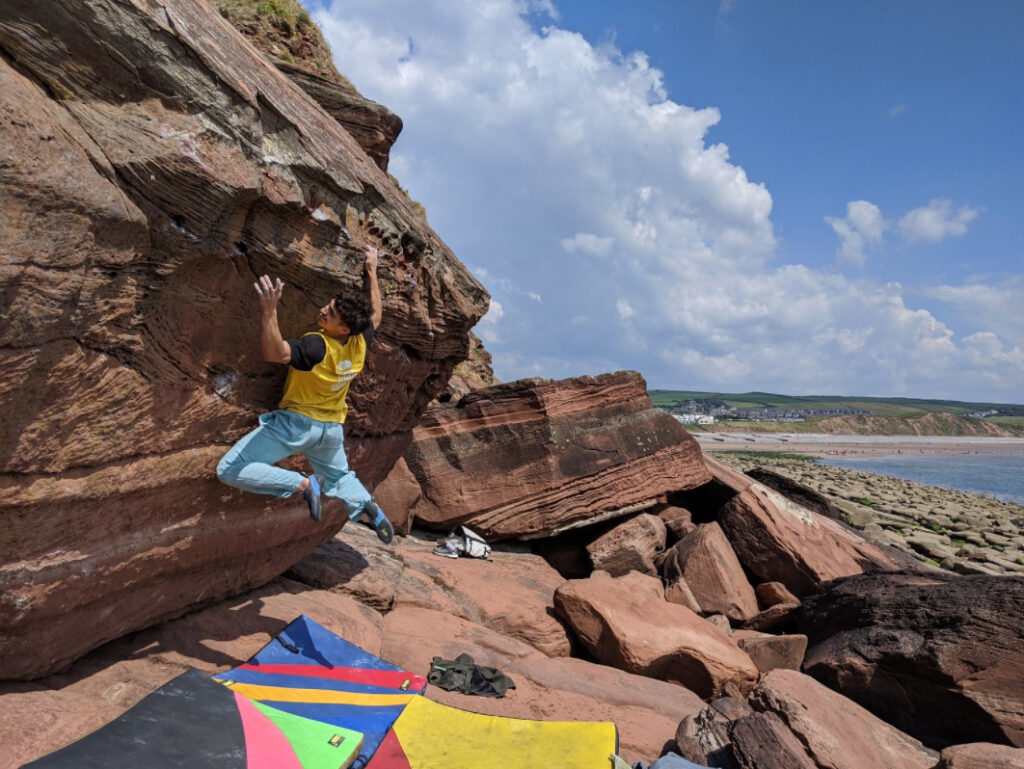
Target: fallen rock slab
x,y
774,651
763,741
626,622
534,457
780,541
941,657
630,546
836,732
705,559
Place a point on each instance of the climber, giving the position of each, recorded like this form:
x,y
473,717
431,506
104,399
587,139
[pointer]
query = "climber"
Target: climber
x,y
309,418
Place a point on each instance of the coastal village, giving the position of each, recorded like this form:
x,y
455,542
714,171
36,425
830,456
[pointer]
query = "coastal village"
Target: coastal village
x,y
653,604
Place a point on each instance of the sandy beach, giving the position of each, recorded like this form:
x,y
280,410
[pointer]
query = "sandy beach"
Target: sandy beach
x,y
823,444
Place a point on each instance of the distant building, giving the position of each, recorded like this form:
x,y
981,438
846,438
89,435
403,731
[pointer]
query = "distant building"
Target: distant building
x,y
695,419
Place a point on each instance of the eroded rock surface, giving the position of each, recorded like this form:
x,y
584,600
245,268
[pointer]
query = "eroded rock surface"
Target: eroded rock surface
x,y
533,457
153,164
940,657
836,732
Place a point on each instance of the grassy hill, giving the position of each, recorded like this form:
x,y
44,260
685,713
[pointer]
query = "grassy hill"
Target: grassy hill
x,y
903,408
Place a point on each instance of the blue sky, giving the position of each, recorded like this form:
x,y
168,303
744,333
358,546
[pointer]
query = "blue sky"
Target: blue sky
x,y
796,197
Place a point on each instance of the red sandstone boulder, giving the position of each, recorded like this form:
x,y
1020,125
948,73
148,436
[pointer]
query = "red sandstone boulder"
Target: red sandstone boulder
x,y
678,591
772,651
678,522
630,546
397,495
780,541
534,457
835,731
938,656
981,755
138,206
773,593
707,562
763,741
626,622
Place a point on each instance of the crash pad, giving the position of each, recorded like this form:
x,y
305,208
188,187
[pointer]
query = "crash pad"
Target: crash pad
x,y
309,671
429,735
195,722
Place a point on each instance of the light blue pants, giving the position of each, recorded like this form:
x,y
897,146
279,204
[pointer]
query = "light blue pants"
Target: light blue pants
x,y
249,465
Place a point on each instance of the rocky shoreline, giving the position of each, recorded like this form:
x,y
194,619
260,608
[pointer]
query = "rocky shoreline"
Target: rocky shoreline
x,y
961,531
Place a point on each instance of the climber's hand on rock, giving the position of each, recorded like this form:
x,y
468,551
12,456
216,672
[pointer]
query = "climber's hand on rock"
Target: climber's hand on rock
x,y
269,293
370,254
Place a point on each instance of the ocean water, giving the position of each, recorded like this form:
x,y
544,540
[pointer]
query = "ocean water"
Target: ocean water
x,y
998,475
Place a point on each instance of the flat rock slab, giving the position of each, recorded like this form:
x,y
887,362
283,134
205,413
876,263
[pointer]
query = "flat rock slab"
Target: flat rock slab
x,y
534,457
628,624
940,657
512,593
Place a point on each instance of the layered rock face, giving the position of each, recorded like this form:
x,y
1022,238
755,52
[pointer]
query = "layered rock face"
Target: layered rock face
x,y
152,164
535,457
938,656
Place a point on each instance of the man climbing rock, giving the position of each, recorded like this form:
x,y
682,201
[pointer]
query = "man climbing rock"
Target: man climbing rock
x,y
310,417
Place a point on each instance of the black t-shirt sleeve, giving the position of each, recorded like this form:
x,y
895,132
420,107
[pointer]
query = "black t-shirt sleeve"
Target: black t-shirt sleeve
x,y
368,334
307,352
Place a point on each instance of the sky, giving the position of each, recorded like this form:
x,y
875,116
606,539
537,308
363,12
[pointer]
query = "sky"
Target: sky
x,y
792,197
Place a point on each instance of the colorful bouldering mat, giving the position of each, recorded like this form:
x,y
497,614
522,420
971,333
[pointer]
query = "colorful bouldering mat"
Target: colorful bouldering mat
x,y
429,735
310,672
195,722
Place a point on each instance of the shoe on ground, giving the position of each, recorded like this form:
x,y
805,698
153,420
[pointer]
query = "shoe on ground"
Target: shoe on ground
x,y
312,496
379,522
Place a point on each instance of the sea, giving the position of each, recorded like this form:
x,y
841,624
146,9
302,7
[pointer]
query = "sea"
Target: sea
x,y
998,475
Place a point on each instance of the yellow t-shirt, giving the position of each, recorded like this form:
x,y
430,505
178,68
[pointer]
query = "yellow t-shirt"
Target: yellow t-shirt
x,y
320,392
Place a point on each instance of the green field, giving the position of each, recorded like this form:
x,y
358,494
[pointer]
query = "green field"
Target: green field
x,y
903,408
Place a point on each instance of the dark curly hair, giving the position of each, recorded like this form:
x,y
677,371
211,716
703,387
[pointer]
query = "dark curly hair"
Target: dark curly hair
x,y
354,311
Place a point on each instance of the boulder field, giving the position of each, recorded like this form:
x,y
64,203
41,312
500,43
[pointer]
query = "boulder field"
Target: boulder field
x,y
153,163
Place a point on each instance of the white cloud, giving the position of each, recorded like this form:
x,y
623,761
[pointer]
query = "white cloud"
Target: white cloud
x,y
586,243
861,229
936,221
988,304
487,327
897,109
515,136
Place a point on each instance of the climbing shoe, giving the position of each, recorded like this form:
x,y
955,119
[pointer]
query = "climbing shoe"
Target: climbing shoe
x,y
312,496
379,522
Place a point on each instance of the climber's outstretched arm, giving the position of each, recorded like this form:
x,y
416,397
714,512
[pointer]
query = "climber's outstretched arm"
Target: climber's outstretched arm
x,y
376,309
272,344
